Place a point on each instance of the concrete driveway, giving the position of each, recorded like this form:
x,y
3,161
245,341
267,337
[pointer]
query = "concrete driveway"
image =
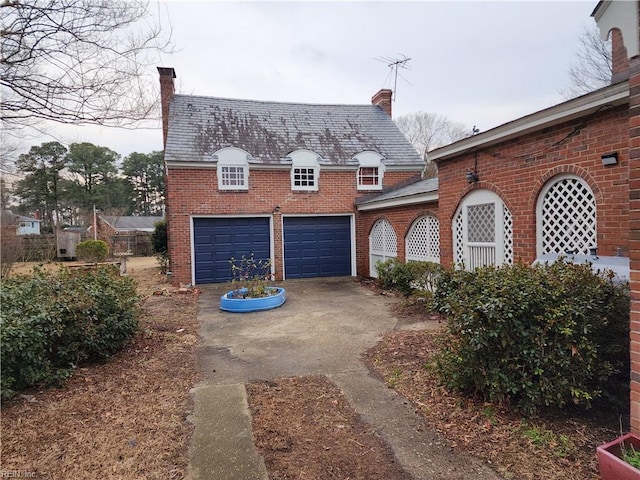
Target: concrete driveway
x,y
323,328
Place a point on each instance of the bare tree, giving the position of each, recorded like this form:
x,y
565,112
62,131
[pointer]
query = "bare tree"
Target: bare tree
x,y
427,131
592,68
77,61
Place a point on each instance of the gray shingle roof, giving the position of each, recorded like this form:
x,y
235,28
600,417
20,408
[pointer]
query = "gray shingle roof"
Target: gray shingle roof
x,y
127,223
268,131
423,186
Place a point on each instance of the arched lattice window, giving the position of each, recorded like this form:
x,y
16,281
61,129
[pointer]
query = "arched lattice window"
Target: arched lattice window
x,y
383,245
566,216
423,240
482,231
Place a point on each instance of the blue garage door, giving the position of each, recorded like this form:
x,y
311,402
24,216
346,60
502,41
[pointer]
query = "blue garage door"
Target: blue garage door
x,y
217,240
317,246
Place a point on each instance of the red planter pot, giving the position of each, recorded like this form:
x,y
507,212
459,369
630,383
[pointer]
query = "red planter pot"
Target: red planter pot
x,y
612,466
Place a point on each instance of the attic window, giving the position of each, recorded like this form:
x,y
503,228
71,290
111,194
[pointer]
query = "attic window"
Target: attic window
x,y
370,172
233,169
232,177
305,170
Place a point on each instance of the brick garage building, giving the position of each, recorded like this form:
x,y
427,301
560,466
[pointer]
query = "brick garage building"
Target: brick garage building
x,y
276,180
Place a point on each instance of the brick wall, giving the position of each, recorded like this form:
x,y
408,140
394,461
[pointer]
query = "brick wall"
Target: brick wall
x,y
401,218
634,243
518,169
194,192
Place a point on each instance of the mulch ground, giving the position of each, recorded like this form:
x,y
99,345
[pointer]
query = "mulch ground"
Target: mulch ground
x,y
127,418
305,429
551,445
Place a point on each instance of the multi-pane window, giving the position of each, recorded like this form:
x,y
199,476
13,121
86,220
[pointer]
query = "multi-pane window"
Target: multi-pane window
x,y
368,176
370,170
232,177
304,178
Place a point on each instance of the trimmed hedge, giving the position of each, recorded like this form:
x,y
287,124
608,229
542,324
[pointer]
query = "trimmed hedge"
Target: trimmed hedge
x,y
92,251
53,321
530,337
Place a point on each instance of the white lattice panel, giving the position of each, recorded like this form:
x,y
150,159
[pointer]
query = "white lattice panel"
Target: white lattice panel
x,y
568,217
481,223
507,219
423,240
383,239
458,238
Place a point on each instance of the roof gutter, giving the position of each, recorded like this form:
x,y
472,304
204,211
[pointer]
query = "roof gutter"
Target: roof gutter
x,y
613,96
398,202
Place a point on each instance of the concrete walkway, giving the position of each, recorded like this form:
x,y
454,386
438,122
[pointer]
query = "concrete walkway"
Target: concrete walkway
x,y
323,328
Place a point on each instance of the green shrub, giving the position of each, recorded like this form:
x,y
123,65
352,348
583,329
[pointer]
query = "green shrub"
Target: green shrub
x,y
92,251
529,337
159,237
51,322
407,278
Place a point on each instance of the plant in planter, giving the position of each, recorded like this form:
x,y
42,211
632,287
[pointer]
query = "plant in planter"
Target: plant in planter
x,y
620,459
251,290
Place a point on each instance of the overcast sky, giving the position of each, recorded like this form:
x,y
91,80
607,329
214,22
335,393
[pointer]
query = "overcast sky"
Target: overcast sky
x,y
480,63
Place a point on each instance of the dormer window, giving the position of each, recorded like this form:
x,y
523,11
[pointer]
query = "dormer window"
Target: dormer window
x,y
305,170
370,172
233,169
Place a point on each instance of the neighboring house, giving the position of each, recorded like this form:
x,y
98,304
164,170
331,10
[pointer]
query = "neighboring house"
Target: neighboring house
x,y
127,235
24,225
276,180
126,225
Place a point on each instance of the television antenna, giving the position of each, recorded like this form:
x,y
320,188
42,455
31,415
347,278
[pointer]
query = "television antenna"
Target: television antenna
x,y
395,65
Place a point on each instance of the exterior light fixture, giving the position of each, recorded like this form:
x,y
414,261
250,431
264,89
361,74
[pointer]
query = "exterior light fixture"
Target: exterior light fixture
x,y
609,158
472,176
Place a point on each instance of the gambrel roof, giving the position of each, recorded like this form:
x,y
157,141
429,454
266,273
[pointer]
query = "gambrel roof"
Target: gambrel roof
x,y
269,131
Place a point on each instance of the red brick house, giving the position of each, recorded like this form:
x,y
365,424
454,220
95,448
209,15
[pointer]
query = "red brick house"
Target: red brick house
x,y
276,180
562,179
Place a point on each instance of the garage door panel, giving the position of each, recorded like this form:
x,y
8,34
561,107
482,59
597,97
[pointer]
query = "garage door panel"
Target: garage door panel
x,y
217,240
317,246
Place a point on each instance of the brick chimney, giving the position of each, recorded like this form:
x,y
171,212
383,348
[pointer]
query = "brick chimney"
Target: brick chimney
x,y
382,99
167,89
619,58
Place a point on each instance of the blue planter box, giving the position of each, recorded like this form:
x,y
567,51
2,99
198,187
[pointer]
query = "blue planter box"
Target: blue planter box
x,y
229,303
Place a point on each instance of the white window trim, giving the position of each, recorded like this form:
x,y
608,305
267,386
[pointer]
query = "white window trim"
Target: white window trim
x,y
370,160
232,157
308,160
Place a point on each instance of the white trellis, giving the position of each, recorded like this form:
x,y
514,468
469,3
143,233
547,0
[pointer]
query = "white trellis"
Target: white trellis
x,y
566,217
383,245
423,240
482,231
